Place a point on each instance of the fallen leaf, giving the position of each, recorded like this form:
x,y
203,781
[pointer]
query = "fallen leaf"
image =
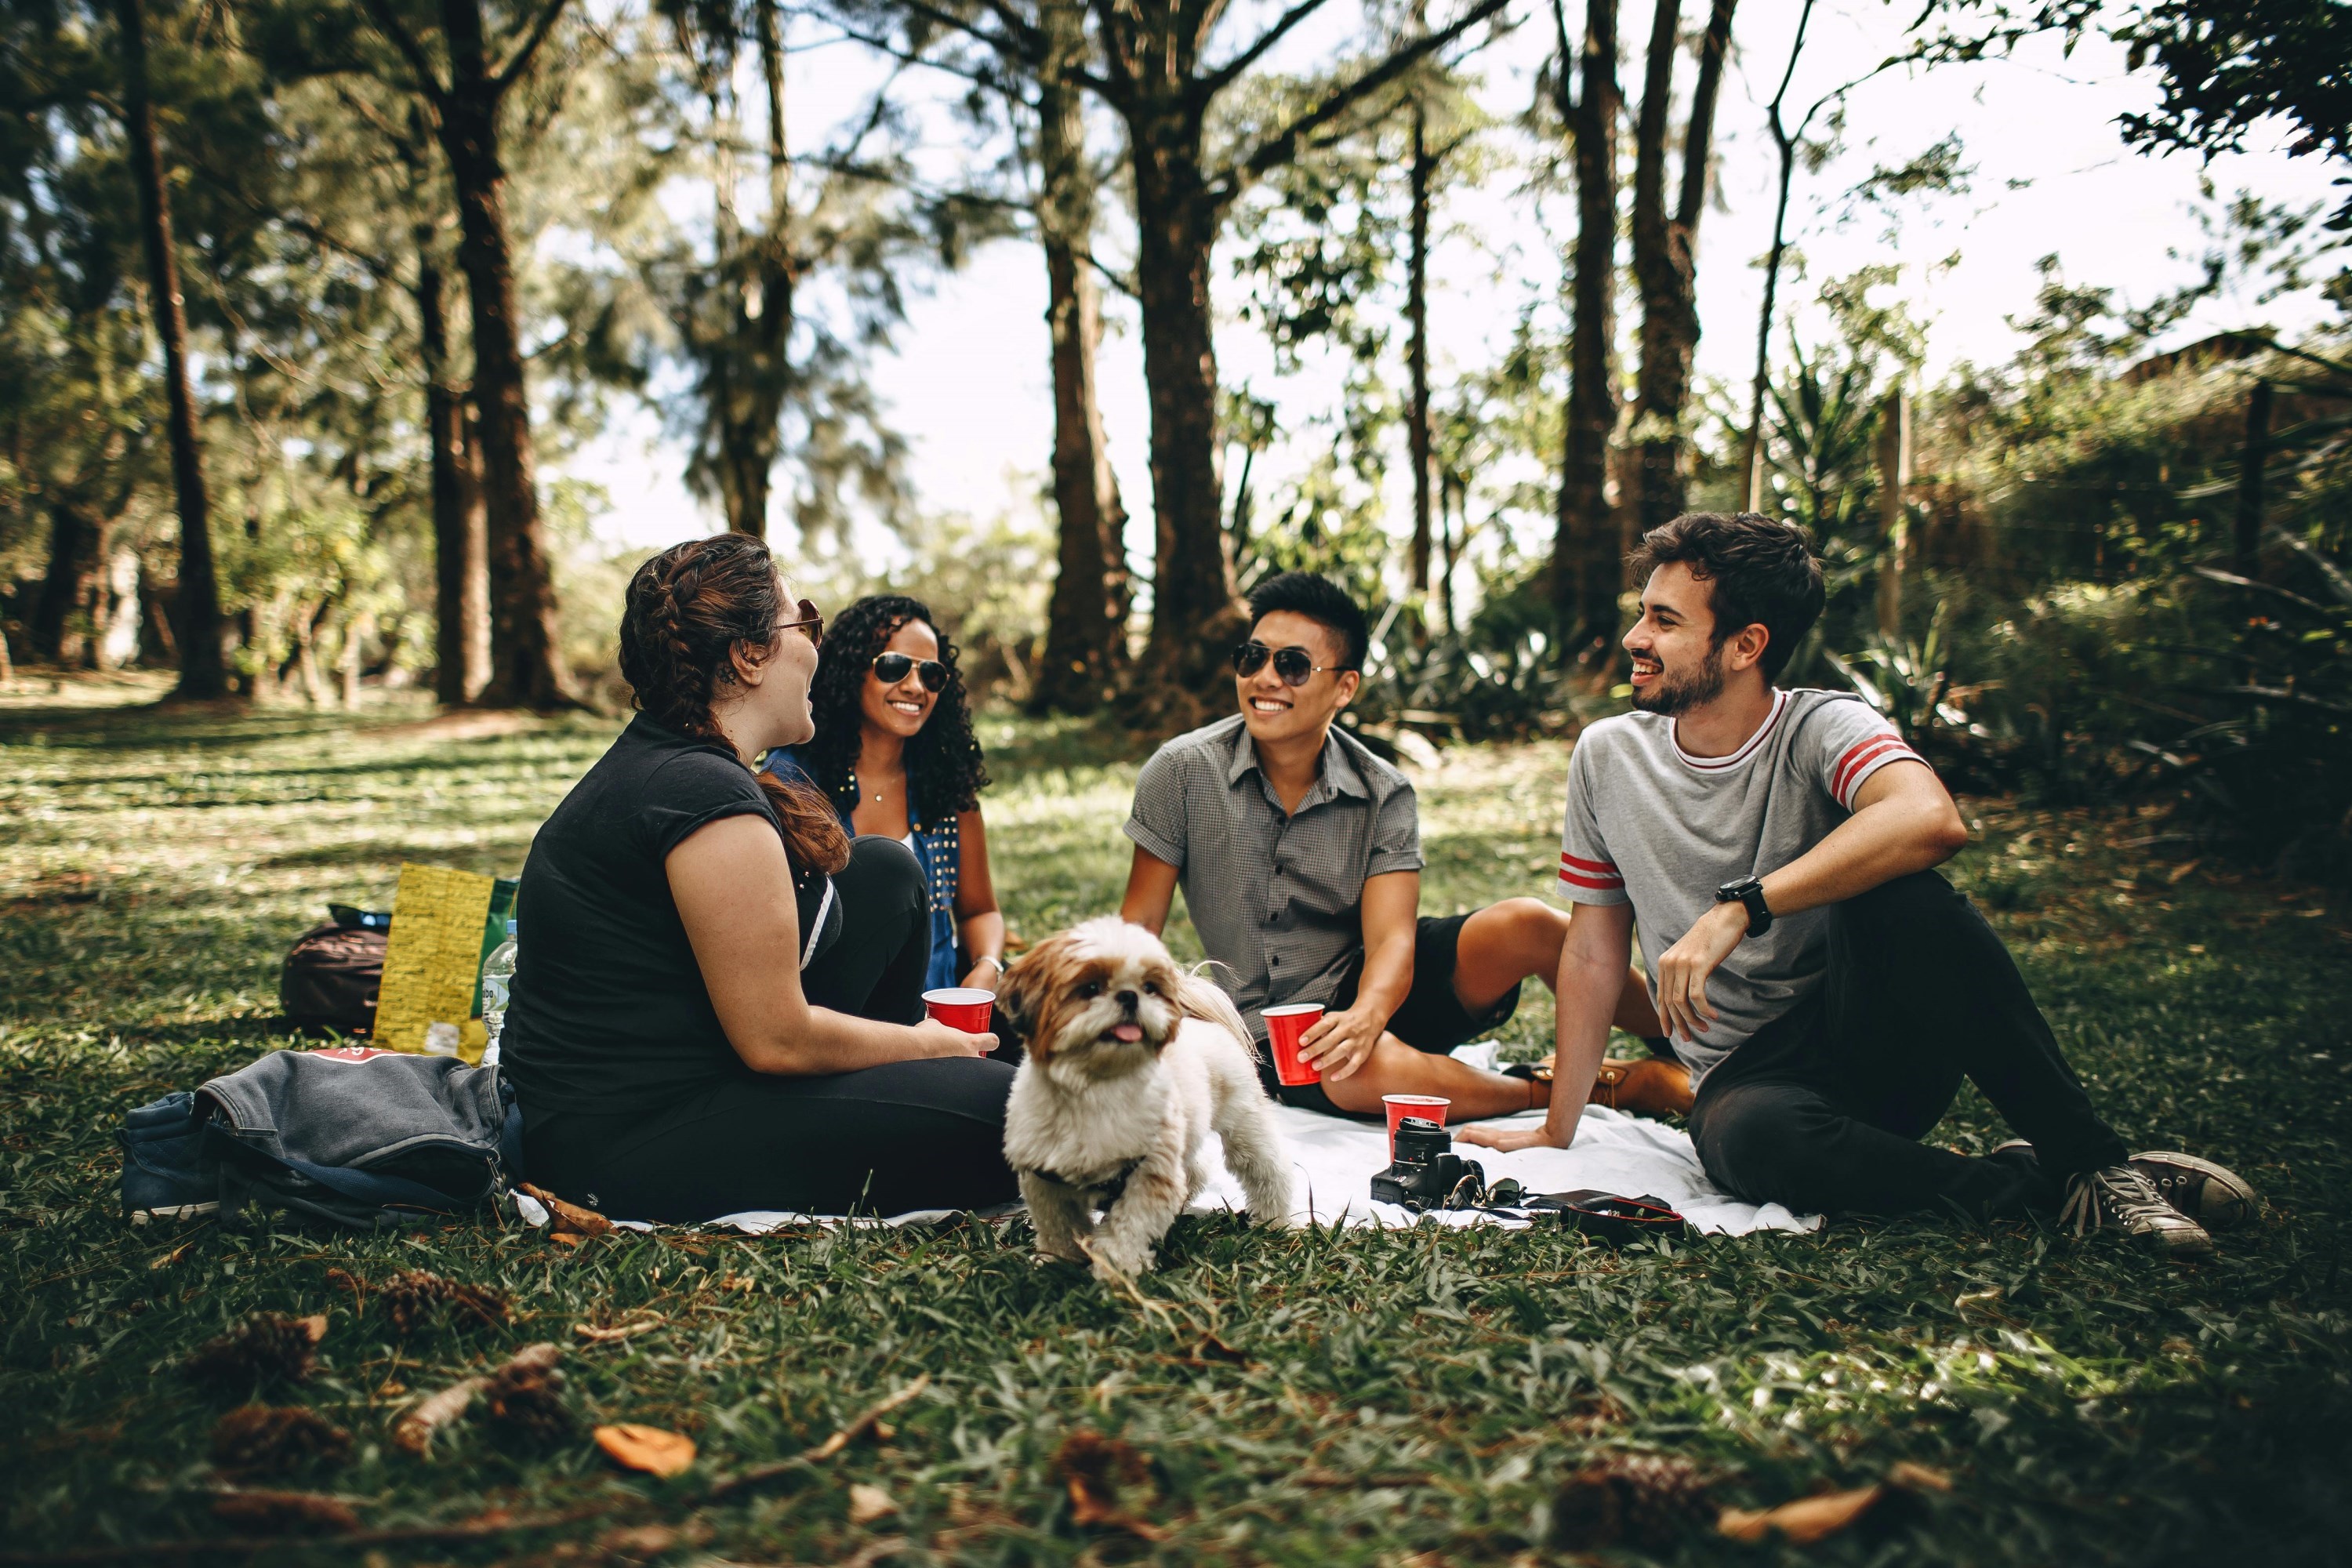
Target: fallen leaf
x,y
286,1513
565,1239
1918,1478
868,1503
596,1336
1097,1470
647,1449
570,1217
1803,1521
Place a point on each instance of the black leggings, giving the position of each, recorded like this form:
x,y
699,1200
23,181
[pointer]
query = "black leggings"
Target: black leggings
x,y
883,1140
1823,1109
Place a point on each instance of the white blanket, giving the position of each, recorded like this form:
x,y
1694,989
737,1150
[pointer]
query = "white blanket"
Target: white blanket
x,y
1333,1161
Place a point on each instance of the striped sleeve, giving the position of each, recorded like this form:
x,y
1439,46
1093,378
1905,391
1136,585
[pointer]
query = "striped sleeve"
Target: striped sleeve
x,y
1855,743
1587,873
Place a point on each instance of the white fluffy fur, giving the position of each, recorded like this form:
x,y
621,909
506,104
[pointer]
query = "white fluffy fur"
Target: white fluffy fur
x,y
1087,1105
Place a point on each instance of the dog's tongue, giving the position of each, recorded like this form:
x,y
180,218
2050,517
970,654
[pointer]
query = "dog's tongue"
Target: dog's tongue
x,y
1131,1033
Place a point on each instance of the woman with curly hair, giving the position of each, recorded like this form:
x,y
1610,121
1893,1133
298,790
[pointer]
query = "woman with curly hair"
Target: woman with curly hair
x,y
895,752
718,1001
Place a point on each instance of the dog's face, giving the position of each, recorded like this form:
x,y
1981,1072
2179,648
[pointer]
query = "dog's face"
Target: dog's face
x,y
1099,1001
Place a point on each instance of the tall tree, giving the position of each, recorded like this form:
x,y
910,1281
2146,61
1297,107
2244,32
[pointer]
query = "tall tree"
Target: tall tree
x,y
526,656
461,636
1665,253
1586,557
1086,618
1157,76
204,675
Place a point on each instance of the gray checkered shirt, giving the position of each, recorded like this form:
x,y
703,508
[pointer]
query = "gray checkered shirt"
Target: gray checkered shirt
x,y
1277,900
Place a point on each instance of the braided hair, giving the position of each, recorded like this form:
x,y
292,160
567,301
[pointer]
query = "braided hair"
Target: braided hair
x,y
945,770
686,610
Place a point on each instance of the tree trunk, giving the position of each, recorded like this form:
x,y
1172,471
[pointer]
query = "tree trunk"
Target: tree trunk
x,y
1086,620
2247,554
1587,563
203,673
56,630
1416,312
1665,258
461,586
526,655
1893,475
759,278
1784,142
1176,223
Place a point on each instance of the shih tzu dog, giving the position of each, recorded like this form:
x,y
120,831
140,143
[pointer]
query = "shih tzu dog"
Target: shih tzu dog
x,y
1130,1063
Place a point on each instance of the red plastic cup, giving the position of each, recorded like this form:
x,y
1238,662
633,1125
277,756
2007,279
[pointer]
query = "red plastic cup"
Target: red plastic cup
x,y
965,1007
1429,1106
1284,1025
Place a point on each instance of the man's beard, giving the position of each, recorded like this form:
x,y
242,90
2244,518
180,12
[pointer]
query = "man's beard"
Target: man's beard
x,y
1673,695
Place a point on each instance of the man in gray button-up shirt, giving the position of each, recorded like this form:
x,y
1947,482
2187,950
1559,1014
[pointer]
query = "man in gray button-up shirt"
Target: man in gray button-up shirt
x,y
1299,855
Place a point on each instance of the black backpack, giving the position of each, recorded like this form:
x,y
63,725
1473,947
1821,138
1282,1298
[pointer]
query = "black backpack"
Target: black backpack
x,y
333,971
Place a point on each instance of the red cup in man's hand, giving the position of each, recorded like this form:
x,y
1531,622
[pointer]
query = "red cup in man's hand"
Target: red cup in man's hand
x,y
1284,1028
1428,1107
965,1007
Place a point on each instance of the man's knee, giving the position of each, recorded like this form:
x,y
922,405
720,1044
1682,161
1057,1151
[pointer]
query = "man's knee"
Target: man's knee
x,y
1762,1141
1921,897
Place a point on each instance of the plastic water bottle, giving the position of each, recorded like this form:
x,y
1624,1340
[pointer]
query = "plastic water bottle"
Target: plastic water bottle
x,y
498,982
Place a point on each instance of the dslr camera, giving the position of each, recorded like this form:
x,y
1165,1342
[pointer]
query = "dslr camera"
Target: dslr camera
x,y
1426,1174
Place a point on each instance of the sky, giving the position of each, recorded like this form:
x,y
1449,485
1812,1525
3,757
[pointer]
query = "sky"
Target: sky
x,y
968,383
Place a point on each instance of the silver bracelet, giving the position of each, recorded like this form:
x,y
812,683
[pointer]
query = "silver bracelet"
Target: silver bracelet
x,y
991,958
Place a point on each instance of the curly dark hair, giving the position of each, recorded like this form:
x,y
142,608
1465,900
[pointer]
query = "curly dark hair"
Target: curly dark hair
x,y
686,609
1762,570
944,764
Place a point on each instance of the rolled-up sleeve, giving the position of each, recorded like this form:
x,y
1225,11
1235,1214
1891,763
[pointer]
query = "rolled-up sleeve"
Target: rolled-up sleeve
x,y
1396,834
1157,821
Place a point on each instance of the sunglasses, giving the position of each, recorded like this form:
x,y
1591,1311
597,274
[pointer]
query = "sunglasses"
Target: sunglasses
x,y
1296,666
890,669
811,621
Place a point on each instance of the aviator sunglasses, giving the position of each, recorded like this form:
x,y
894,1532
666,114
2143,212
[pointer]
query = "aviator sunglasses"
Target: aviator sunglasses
x,y
811,621
890,669
1295,665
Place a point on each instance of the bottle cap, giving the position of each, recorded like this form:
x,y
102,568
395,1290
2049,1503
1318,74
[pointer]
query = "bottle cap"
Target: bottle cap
x,y
510,925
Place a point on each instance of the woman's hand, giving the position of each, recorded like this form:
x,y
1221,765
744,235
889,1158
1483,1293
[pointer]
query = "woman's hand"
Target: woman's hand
x,y
934,1038
1507,1140
985,975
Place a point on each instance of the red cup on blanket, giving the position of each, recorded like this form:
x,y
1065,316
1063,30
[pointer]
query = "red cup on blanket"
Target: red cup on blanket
x,y
965,1007
1429,1106
1284,1025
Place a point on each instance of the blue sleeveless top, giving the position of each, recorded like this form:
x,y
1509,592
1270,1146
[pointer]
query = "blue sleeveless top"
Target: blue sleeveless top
x,y
937,846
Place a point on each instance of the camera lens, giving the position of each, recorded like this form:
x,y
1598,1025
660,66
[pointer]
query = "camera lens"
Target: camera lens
x,y
1419,1140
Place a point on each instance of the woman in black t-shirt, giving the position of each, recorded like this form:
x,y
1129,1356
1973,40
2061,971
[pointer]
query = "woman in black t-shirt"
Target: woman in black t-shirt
x,y
718,1005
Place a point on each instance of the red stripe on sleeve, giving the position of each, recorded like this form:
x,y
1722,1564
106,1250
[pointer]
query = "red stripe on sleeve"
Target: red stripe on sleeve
x,y
1889,747
1598,867
1598,885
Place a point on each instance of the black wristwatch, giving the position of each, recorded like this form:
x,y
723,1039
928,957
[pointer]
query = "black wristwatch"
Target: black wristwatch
x,y
1748,892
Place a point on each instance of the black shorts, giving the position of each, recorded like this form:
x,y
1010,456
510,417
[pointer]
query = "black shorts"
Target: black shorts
x,y
1431,1019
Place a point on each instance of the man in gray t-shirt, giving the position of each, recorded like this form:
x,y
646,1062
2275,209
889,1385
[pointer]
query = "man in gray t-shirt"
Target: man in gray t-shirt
x,y
1299,855
1828,989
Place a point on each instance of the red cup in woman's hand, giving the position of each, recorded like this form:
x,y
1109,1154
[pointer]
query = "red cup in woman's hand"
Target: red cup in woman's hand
x,y
964,1008
1285,1026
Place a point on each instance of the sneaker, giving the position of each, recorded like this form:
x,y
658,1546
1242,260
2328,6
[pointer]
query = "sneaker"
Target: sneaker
x,y
2212,1196
2118,1197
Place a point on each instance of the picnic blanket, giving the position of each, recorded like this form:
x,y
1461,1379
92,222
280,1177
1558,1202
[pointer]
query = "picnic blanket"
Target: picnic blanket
x,y
1333,1161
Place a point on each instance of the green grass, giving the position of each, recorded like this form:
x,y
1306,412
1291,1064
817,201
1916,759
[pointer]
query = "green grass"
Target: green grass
x,y
1398,1394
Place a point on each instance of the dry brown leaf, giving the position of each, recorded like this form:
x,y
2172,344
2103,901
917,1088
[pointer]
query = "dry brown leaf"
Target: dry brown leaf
x,y
1803,1521
1097,1470
1918,1478
570,1217
285,1513
868,1503
596,1336
647,1448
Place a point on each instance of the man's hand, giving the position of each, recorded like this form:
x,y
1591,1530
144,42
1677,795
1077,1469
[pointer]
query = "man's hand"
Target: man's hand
x,y
1683,968
1339,1043
1506,1141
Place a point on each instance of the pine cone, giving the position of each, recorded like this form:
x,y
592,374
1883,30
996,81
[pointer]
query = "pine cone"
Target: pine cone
x,y
415,1295
527,1401
270,1440
264,1348
1647,1500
